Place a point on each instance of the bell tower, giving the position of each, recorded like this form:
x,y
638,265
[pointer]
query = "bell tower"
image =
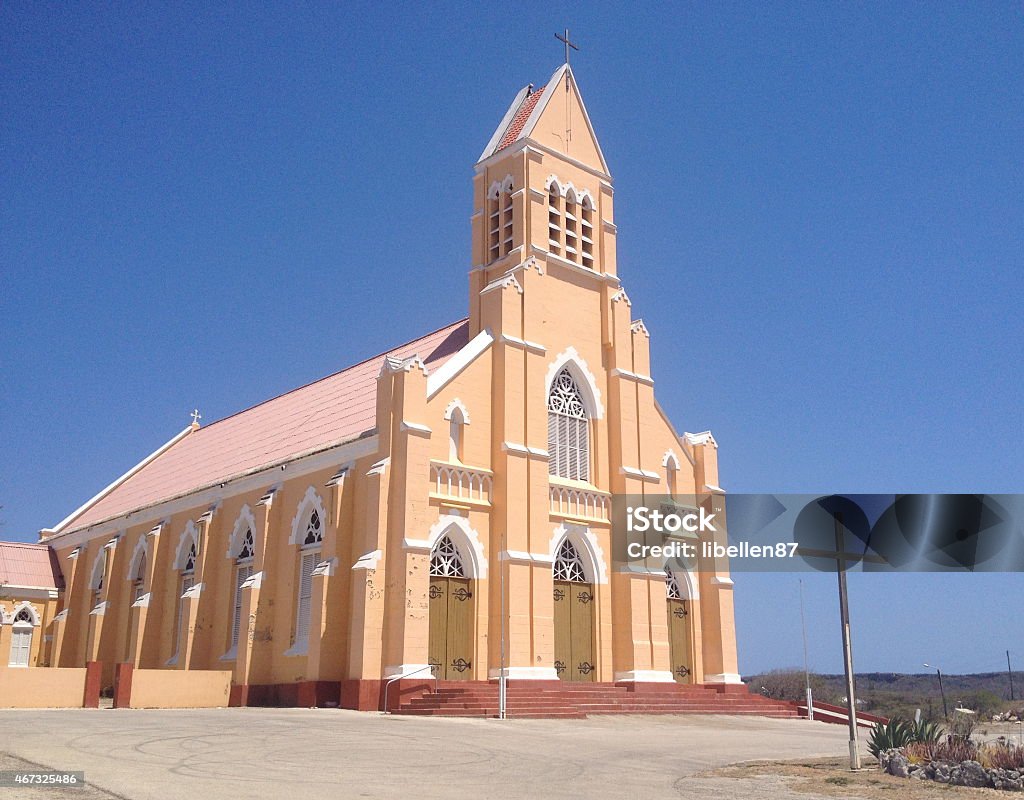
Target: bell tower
x,y
541,190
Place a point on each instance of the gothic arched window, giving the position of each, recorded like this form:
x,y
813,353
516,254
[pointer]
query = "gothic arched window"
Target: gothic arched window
x,y
246,550
139,578
314,529
568,564
672,586
568,430
445,561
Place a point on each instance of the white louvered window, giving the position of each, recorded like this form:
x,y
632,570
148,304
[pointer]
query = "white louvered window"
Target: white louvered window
x,y
242,573
568,430
310,558
21,639
568,564
188,580
445,561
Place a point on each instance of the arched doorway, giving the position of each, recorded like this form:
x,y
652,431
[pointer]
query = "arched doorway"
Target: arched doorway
x,y
452,609
679,640
574,617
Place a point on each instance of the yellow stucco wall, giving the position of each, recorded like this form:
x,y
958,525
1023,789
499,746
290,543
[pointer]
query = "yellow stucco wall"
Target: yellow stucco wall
x,y
161,688
41,688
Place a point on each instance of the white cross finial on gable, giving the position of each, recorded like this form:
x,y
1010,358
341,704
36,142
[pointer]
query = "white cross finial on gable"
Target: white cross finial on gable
x,y
196,416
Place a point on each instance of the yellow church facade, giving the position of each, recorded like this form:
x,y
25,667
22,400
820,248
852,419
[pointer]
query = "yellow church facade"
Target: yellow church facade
x,y
444,508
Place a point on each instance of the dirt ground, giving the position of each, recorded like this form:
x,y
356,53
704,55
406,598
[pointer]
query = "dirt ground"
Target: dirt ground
x,y
818,779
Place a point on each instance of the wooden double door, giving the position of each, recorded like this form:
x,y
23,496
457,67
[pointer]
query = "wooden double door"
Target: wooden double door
x,y
680,649
452,608
574,631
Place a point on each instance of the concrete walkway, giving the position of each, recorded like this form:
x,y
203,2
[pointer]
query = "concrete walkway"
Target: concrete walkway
x,y
211,754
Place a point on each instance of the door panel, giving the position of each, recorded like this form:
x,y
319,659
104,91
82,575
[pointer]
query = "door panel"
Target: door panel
x,y
437,598
452,606
574,631
679,640
459,660
583,667
563,634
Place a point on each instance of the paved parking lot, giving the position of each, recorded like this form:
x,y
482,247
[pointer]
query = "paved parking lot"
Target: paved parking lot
x,y
311,754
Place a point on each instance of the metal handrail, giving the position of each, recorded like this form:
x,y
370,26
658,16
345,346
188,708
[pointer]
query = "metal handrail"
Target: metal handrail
x,y
387,685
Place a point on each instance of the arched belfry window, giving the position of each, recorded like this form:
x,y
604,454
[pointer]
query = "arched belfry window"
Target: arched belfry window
x,y
445,561
499,219
568,564
568,430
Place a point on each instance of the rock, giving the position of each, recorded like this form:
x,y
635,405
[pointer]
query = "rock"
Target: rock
x,y
969,773
941,772
894,762
919,774
1009,780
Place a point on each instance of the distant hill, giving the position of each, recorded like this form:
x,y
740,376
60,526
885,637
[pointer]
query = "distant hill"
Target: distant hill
x,y
896,694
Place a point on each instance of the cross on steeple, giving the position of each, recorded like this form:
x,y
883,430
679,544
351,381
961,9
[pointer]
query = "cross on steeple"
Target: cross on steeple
x,y
564,39
196,416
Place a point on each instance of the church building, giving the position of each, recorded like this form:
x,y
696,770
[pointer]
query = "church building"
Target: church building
x,y
441,508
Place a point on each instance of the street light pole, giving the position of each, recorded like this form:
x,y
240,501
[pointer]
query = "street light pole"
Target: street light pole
x,y
1009,671
807,673
945,709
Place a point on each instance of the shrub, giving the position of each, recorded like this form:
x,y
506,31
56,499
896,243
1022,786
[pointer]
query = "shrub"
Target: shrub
x,y
1002,755
925,731
896,733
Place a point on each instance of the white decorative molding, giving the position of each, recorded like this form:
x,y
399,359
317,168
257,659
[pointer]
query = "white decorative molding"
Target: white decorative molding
x,y
584,379
710,487
466,541
725,583
581,196
523,557
326,568
644,676
640,474
586,544
632,376
723,677
531,347
310,502
368,560
441,376
394,364
415,428
245,521
500,187
456,403
379,467
621,296
639,327
63,615
254,581
702,438
459,482
506,281
577,502
143,601
141,551
188,536
100,609
524,673
338,477
516,449
670,457
33,612
192,592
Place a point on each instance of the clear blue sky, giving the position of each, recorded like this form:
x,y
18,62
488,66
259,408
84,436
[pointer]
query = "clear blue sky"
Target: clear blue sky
x,y
821,217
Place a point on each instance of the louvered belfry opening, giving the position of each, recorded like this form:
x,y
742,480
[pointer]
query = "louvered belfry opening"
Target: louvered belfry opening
x,y
568,430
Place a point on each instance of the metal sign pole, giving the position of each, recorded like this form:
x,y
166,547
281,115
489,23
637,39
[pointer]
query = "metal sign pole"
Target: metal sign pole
x,y
844,614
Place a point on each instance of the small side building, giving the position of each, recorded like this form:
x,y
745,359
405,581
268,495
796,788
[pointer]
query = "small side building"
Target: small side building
x,y
30,590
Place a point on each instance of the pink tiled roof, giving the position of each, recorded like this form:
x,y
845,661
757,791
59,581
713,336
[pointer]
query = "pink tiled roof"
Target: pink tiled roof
x,y
330,411
515,127
33,565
